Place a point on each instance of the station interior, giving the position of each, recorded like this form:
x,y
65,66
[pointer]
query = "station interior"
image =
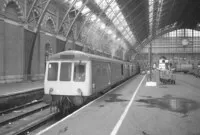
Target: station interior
x,y
135,31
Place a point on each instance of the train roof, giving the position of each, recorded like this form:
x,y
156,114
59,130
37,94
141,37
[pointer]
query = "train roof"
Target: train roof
x,y
78,55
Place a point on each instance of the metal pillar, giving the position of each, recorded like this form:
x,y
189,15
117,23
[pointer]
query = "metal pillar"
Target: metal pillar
x,y
66,15
70,27
37,33
150,60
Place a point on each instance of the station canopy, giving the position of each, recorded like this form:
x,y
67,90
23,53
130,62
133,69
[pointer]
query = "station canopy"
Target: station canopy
x,y
138,22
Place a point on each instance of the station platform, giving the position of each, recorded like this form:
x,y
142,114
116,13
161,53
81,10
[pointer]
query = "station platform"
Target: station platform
x,y
20,87
135,109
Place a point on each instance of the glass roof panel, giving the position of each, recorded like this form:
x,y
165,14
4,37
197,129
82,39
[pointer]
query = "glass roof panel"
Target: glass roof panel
x,y
78,4
121,17
196,33
113,5
93,17
114,14
121,28
103,4
150,14
116,9
85,10
98,1
111,15
188,32
108,11
124,32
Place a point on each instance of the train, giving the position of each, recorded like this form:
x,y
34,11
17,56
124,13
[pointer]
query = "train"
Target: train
x,y
74,77
184,67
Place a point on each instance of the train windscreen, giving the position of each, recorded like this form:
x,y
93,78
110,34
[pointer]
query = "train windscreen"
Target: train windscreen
x,y
65,71
79,72
52,71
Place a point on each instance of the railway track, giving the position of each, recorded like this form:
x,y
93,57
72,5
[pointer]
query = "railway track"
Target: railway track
x,y
19,107
24,119
32,117
19,99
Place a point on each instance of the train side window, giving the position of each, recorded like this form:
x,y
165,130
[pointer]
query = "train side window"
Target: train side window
x,y
65,71
52,71
122,69
79,72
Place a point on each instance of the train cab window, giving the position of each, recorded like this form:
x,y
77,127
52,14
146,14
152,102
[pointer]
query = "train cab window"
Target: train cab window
x,y
65,71
52,71
79,72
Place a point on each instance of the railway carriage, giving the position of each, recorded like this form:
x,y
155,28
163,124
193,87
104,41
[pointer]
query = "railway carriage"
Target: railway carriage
x,y
72,76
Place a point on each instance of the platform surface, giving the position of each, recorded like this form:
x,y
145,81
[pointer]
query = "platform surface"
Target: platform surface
x,y
160,110
14,88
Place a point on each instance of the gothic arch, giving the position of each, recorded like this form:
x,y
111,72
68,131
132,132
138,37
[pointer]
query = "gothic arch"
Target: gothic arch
x,y
50,25
12,9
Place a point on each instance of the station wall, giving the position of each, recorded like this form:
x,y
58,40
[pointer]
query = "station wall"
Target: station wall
x,y
2,50
12,54
15,47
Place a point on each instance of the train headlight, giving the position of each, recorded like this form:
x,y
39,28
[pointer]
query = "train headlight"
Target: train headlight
x,y
50,90
80,91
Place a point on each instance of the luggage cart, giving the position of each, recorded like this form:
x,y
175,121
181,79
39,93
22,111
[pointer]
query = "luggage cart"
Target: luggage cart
x,y
167,77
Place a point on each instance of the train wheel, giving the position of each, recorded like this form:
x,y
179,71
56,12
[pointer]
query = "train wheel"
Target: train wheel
x,y
77,100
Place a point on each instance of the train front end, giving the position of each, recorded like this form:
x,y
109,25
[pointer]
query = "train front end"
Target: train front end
x,y
67,78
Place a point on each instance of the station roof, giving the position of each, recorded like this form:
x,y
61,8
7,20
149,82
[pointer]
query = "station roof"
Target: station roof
x,y
140,21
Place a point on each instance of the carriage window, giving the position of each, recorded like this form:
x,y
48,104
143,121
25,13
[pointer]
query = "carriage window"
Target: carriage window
x,y
122,69
52,71
65,71
79,72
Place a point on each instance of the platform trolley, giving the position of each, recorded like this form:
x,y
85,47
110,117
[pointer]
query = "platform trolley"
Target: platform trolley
x,y
167,77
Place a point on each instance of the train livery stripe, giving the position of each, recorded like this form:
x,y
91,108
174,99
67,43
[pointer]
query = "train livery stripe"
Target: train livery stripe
x,y
117,126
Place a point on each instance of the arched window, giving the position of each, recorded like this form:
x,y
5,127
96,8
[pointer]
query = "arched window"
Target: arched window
x,y
48,52
13,11
50,25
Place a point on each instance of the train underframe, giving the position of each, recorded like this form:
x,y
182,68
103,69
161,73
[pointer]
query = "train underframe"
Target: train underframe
x,y
65,104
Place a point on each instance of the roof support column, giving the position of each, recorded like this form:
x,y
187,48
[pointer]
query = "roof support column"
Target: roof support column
x,y
155,14
72,23
95,21
37,32
66,15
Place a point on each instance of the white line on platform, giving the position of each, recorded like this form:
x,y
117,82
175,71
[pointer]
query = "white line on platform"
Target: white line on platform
x,y
117,126
43,131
